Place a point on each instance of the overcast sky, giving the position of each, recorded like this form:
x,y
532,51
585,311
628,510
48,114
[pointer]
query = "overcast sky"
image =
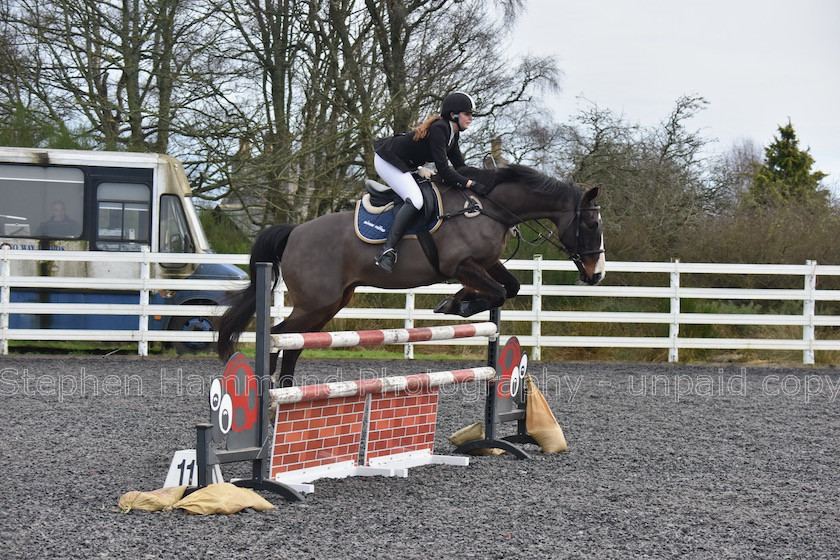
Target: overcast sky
x,y
757,62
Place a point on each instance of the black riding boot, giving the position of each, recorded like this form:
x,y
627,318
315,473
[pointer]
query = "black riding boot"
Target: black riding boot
x,y
388,259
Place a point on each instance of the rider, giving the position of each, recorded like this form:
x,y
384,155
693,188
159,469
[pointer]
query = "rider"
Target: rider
x,y
435,140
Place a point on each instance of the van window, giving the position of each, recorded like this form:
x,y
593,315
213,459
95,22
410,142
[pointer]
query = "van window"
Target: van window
x,y
123,216
174,232
40,201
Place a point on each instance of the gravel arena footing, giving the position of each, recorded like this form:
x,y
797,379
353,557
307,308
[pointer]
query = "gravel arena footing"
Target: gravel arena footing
x,y
664,461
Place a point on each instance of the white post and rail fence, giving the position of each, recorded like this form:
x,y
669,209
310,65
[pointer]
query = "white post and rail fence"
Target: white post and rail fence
x,y
809,315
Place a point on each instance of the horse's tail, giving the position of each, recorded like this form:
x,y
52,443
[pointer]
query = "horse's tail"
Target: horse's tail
x,y
268,247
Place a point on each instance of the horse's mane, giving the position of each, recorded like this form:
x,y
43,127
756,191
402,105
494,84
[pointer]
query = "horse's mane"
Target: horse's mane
x,y
528,176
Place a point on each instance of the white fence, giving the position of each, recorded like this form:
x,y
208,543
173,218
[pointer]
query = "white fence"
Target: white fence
x,y
672,291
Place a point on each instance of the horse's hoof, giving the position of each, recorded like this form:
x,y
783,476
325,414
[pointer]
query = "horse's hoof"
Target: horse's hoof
x,y
468,308
464,310
445,306
473,306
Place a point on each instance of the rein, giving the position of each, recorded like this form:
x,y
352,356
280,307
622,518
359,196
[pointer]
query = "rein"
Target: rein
x,y
576,255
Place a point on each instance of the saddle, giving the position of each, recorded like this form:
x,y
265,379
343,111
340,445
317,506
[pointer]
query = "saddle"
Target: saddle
x,y
376,209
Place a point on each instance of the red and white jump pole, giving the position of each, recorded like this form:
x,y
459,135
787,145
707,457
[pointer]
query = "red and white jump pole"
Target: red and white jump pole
x,y
349,339
394,384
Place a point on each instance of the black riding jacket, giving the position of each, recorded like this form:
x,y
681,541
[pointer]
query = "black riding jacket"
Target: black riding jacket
x,y
440,146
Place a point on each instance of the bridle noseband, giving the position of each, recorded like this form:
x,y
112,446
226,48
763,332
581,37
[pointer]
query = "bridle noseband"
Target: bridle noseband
x,y
577,255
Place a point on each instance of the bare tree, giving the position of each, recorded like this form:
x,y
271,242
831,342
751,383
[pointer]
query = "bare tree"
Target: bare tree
x,y
273,106
330,76
732,172
118,70
656,191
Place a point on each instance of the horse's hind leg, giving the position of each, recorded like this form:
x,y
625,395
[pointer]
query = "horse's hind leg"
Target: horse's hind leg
x,y
292,324
298,322
290,357
287,368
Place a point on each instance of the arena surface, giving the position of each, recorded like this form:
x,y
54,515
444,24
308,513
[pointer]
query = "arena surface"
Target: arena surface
x,y
664,461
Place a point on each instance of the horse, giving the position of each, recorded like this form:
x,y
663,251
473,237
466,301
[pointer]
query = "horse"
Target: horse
x,y
323,260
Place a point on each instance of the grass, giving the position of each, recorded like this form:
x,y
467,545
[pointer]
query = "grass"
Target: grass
x,y
81,348
442,353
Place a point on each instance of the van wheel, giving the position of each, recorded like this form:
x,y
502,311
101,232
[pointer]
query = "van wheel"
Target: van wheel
x,y
202,324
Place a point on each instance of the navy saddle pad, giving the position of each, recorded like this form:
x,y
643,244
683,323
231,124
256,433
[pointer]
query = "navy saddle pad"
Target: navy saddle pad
x,y
373,222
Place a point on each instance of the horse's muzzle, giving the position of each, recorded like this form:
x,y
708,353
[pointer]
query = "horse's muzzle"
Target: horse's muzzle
x,y
592,270
591,280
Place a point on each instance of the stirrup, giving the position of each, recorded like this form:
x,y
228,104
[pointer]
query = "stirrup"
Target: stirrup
x,y
387,260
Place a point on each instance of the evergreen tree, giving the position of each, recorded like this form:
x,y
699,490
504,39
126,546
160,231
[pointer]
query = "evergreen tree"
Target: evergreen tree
x,y
786,176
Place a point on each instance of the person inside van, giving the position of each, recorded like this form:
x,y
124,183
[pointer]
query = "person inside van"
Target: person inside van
x,y
60,224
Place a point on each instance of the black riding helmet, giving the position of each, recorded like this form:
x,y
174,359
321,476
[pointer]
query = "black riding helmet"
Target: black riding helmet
x,y
456,102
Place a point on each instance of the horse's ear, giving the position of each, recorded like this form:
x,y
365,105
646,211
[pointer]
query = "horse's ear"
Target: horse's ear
x,y
589,196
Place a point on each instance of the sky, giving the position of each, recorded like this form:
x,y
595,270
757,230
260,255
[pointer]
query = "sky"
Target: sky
x,y
757,62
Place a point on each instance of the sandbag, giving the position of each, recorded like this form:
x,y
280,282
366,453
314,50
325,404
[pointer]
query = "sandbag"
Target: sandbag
x,y
222,497
470,433
540,421
155,500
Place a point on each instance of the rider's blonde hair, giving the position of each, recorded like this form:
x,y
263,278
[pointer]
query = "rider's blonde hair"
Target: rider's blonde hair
x,y
422,130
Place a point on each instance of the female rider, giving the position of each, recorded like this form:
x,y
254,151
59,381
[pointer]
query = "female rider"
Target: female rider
x,y
436,141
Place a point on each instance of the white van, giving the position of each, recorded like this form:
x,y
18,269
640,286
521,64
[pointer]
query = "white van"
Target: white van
x,y
75,200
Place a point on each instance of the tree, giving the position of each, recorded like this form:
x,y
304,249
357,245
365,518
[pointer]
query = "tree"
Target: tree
x,y
655,193
786,176
326,78
119,73
272,105
731,175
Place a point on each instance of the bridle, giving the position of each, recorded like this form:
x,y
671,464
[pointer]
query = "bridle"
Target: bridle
x,y
576,255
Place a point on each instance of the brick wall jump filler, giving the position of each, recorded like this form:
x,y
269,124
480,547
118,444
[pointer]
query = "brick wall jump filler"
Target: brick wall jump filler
x,y
320,425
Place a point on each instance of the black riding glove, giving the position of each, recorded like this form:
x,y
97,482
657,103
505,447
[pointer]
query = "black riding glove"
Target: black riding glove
x,y
481,188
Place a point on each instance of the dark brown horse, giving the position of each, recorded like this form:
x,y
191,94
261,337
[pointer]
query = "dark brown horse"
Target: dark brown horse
x,y
324,261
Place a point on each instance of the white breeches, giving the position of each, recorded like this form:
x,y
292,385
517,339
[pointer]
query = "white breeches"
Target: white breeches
x,y
400,181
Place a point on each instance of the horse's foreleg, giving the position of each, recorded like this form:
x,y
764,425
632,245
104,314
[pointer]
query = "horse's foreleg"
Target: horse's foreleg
x,y
497,272
452,303
481,292
504,277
